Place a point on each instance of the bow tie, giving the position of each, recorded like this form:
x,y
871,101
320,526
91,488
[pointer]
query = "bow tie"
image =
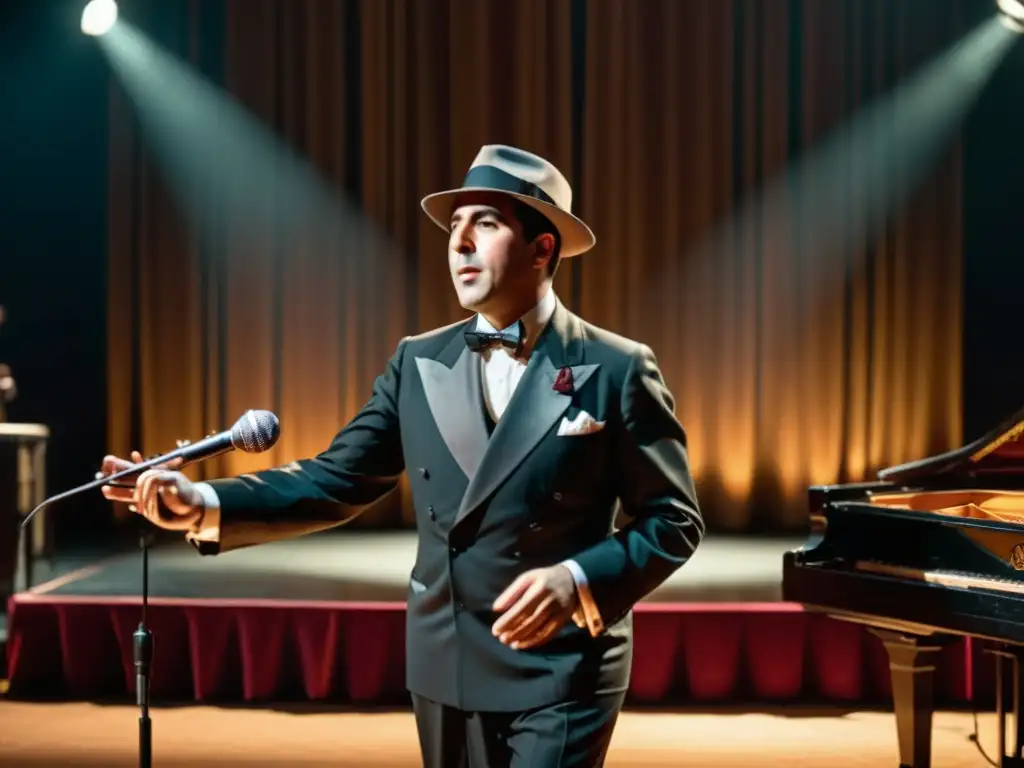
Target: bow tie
x,y
512,338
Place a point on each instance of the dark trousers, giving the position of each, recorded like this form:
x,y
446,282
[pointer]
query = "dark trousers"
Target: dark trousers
x,y
573,734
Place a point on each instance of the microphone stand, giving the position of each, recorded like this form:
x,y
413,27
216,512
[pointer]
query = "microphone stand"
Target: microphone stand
x,y
254,432
142,648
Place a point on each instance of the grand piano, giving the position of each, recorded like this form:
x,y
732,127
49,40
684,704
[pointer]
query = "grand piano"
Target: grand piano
x,y
931,552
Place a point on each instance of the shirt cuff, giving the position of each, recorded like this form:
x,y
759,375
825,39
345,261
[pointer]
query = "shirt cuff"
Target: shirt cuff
x,y
209,526
586,615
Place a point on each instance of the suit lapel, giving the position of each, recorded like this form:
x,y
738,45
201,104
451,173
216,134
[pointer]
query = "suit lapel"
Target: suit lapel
x,y
453,396
534,409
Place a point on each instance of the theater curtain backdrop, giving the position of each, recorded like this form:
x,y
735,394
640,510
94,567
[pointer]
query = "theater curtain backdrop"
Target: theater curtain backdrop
x,y
789,367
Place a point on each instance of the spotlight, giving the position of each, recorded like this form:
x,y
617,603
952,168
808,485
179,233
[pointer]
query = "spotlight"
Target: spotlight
x,y
1012,14
98,17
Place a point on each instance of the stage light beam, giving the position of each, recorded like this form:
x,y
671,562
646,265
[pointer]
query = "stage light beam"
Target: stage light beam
x,y
99,17
1012,14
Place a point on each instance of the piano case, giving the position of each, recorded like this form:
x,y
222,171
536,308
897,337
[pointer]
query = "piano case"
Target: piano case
x,y
930,552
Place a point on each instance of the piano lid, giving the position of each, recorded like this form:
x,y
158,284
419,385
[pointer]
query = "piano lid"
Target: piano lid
x,y
998,453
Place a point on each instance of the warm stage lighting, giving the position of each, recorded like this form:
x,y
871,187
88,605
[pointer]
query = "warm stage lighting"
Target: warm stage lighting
x,y
99,16
1013,14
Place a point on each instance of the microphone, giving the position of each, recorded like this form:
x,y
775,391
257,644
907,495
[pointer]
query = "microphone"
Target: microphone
x,y
254,432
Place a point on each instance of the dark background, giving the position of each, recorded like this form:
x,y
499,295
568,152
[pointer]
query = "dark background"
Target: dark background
x,y
53,241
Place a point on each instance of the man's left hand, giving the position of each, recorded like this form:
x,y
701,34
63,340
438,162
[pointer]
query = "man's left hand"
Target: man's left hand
x,y
535,607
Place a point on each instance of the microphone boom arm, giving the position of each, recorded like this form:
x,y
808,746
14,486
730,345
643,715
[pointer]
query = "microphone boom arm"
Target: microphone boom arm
x,y
254,432
186,451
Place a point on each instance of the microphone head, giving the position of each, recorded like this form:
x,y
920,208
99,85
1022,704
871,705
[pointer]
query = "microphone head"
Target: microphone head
x,y
255,431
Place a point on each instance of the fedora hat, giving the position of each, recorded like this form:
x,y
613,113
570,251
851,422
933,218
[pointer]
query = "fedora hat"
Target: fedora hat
x,y
528,178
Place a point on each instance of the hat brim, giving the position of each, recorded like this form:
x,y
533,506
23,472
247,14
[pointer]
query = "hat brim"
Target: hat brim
x,y
576,237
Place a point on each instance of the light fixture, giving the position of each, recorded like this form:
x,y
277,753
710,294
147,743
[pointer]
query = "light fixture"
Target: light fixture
x,y
1012,14
98,17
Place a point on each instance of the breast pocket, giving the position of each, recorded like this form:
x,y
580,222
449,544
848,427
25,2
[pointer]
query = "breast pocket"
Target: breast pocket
x,y
580,465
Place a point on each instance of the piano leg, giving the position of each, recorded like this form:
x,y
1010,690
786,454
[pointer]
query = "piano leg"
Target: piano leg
x,y
1011,655
911,667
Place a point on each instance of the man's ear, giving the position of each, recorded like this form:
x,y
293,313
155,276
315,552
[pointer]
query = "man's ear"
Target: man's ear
x,y
543,249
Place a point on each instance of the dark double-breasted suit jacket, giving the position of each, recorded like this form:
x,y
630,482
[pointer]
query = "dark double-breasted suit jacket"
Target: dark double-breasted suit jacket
x,y
491,504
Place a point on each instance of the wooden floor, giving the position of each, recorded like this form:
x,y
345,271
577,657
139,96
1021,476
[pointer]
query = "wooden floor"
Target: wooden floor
x,y
77,734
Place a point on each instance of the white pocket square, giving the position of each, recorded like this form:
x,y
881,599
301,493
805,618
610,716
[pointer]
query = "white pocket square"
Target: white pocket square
x,y
583,424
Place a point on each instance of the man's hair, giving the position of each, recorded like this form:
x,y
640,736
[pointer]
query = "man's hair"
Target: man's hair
x,y
535,224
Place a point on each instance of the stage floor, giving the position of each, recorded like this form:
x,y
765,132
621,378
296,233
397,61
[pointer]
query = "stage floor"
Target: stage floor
x,y
373,566
94,736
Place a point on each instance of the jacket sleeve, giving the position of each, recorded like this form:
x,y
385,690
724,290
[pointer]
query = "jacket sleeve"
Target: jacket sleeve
x,y
656,489
361,465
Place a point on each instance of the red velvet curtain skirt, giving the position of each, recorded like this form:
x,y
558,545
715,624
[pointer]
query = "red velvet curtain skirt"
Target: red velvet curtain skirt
x,y
255,650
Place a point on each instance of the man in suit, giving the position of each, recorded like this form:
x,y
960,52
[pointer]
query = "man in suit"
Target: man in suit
x,y
520,429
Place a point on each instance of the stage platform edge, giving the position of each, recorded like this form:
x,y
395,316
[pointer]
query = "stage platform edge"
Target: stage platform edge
x,y
218,650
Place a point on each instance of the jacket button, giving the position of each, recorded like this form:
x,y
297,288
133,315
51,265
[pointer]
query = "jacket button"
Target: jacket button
x,y
432,513
557,496
517,554
424,473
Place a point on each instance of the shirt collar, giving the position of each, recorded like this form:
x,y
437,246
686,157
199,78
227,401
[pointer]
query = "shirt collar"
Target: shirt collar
x,y
534,320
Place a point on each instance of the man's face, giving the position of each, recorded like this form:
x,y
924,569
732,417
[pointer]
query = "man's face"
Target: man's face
x,y
490,261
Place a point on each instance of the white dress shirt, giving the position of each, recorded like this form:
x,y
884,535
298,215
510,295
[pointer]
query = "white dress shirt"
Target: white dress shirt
x,y
501,368
501,372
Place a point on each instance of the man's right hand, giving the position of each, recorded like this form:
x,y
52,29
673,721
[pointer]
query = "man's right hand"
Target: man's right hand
x,y
182,504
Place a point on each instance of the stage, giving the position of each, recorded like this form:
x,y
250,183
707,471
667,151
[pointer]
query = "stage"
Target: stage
x,y
322,619
87,735
346,566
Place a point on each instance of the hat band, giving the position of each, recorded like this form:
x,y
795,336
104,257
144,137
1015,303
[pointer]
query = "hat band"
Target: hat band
x,y
494,178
